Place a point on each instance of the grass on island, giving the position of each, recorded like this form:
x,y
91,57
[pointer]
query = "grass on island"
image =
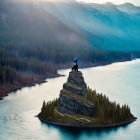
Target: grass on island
x,y
106,111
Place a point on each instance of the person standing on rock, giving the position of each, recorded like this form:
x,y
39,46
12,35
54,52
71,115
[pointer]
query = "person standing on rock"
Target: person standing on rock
x,y
75,67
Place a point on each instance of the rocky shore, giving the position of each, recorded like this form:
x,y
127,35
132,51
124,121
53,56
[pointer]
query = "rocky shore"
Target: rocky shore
x,y
77,125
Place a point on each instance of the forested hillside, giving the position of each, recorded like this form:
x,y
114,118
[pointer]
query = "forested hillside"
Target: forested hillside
x,y
15,60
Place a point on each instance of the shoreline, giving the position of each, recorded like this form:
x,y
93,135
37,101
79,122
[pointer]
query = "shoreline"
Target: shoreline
x,y
9,88
69,124
4,91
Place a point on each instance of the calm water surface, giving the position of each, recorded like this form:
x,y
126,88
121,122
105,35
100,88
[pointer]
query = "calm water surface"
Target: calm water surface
x,y
119,81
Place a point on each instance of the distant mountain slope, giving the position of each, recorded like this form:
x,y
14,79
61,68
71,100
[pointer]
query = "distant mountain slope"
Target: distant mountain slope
x,y
129,8
70,24
117,26
25,23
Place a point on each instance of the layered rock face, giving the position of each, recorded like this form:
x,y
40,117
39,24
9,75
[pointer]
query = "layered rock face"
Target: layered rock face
x,y
76,84
73,96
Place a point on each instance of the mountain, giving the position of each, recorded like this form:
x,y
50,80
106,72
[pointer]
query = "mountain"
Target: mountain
x,y
25,23
114,25
129,8
70,24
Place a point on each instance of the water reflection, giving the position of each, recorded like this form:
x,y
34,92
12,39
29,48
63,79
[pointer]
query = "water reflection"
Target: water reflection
x,y
77,132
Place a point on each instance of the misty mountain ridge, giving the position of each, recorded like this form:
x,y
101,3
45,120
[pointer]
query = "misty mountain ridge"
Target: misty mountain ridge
x,y
71,24
25,23
128,8
118,29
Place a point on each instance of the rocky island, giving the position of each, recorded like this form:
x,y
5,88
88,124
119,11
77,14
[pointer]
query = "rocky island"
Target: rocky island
x,y
80,106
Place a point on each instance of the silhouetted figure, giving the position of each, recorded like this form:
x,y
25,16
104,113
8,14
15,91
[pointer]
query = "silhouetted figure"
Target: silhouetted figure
x,y
75,67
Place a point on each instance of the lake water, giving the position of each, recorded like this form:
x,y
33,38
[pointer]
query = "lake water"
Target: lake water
x,y
119,81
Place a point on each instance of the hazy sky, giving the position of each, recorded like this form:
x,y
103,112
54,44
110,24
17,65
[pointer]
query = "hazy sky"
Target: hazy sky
x,y
135,2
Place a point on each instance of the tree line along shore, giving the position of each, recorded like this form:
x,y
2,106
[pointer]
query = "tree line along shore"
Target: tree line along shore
x,y
27,65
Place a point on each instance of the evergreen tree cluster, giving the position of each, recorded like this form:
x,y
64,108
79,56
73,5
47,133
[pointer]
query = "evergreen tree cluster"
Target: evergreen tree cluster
x,y
108,110
8,74
47,110
13,62
45,58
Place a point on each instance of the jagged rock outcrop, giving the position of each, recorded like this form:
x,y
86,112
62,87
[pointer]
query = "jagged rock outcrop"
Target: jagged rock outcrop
x,y
73,96
76,84
75,107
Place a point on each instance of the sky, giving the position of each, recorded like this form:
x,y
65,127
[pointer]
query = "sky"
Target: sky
x,y
135,2
117,2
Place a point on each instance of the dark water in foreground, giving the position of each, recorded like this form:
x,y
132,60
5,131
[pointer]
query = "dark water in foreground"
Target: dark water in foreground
x,y
119,81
